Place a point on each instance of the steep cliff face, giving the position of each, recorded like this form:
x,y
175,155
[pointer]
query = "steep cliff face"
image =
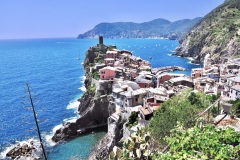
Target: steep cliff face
x,y
96,113
110,140
94,105
218,33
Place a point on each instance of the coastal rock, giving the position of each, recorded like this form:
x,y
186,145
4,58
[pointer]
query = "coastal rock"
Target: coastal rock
x,y
96,113
23,150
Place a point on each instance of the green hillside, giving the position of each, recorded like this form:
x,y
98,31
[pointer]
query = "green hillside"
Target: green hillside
x,y
218,33
154,28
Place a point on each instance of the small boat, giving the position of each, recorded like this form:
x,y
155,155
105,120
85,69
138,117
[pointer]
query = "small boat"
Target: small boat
x,y
78,58
150,57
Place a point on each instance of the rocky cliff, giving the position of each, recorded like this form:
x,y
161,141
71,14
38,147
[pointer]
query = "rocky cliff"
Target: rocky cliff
x,y
111,139
154,28
218,33
94,105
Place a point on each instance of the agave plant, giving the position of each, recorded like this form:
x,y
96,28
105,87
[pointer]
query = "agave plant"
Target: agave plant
x,y
134,147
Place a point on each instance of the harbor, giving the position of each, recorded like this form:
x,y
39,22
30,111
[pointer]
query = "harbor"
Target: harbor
x,y
167,69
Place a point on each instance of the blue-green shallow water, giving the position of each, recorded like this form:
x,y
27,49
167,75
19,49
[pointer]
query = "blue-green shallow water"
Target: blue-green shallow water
x,y
51,68
77,149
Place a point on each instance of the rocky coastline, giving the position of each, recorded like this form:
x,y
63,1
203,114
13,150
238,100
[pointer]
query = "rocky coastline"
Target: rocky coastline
x,y
18,151
94,110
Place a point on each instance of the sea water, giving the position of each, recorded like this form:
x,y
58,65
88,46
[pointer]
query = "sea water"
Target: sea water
x,y
53,69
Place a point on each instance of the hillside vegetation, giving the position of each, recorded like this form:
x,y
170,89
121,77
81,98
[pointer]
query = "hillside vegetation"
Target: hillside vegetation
x,y
154,28
175,125
218,33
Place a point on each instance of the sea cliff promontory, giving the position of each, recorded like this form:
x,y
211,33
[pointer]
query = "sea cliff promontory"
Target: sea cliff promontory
x,y
118,84
94,108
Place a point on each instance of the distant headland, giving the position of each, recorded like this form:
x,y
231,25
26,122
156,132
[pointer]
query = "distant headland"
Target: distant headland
x,y
158,28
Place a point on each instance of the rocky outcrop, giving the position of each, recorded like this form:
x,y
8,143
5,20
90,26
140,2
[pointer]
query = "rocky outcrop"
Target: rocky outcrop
x,y
23,150
110,140
94,110
217,33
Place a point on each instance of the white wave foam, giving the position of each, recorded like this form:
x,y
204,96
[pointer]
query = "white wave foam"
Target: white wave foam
x,y
83,88
48,137
30,142
49,141
72,119
83,79
169,54
73,104
56,128
189,58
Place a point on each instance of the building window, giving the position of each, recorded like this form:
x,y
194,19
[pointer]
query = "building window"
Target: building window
x,y
102,76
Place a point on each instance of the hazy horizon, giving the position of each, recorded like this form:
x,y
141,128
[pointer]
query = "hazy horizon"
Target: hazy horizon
x,y
28,19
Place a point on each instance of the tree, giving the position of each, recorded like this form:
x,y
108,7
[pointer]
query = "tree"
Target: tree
x,y
236,108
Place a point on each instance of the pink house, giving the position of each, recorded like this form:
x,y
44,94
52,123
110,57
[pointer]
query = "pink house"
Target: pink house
x,y
107,73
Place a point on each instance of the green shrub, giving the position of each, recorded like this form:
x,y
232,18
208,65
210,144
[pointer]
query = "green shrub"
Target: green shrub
x,y
132,120
92,88
182,108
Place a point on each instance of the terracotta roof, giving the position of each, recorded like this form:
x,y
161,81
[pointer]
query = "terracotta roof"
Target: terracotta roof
x,y
145,111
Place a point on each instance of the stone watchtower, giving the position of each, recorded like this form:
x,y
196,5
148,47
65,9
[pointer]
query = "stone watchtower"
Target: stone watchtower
x,y
100,43
100,39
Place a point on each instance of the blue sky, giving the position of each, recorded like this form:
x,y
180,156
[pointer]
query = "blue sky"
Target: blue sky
x,y
68,18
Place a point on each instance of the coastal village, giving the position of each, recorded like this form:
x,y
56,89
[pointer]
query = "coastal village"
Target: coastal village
x,y
126,109
124,92
138,89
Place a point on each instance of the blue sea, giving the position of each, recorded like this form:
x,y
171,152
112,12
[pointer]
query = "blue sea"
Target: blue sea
x,y
53,69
